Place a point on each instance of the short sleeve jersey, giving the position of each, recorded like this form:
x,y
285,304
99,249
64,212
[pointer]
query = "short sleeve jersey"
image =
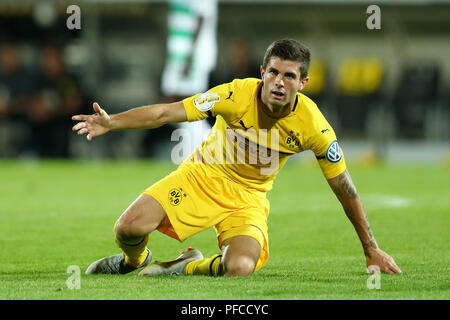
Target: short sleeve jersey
x,y
248,145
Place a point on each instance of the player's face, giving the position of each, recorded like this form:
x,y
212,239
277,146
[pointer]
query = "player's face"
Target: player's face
x,y
281,83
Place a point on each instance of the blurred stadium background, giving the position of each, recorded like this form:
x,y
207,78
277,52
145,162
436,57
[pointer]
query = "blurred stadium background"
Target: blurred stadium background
x,y
385,92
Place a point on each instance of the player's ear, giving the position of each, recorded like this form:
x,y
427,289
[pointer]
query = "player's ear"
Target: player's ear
x,y
303,83
261,69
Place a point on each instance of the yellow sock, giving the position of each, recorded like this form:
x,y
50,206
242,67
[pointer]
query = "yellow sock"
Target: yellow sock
x,y
135,254
208,266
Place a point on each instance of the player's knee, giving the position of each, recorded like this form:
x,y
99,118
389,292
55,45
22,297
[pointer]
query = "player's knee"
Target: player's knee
x,y
126,228
242,266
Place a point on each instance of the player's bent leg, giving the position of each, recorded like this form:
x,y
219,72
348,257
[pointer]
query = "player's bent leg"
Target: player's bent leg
x,y
240,256
131,231
142,217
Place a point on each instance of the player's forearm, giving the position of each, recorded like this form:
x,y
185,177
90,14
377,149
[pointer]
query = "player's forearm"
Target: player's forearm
x,y
354,210
345,191
146,117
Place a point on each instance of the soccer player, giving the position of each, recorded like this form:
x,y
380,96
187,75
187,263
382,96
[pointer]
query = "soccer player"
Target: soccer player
x,y
223,184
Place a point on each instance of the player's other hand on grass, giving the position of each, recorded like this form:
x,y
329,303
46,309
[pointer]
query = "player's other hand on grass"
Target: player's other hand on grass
x,y
94,125
377,257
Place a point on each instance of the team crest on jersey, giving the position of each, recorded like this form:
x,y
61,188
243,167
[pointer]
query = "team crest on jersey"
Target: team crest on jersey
x,y
334,153
176,196
206,101
292,140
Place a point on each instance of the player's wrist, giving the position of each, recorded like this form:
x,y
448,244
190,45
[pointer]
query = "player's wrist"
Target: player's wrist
x,y
370,246
113,123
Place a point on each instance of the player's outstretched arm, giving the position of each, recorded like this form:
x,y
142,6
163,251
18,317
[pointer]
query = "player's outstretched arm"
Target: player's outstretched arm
x,y
345,191
147,117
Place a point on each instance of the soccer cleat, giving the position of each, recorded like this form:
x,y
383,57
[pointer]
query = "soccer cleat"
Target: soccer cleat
x,y
115,265
172,267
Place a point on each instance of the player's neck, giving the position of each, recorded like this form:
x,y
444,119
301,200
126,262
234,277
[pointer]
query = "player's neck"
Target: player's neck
x,y
275,111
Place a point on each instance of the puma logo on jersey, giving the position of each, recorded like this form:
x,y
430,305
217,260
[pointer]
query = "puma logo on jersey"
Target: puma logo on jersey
x,y
229,97
243,125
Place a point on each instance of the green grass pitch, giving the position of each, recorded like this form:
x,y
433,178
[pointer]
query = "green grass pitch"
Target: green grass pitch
x,y
57,214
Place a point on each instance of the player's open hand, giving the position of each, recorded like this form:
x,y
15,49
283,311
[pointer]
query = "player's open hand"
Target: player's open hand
x,y
94,125
377,257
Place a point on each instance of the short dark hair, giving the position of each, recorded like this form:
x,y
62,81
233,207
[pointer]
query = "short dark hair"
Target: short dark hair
x,y
292,50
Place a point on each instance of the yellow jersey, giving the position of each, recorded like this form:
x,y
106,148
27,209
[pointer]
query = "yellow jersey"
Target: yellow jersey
x,y
249,146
